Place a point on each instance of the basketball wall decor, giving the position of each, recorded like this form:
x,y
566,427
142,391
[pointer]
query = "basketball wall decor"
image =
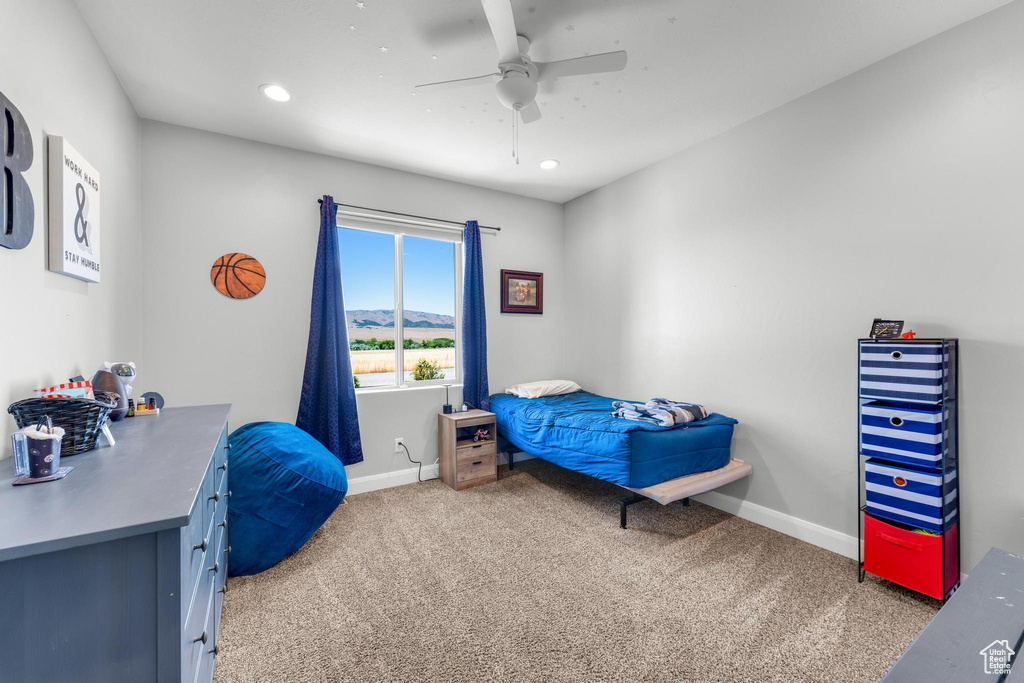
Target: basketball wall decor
x,y
238,276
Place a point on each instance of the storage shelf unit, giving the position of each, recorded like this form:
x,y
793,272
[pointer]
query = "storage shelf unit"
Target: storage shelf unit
x,y
907,463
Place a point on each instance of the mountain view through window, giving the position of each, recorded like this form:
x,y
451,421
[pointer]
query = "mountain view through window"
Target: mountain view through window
x,y
369,261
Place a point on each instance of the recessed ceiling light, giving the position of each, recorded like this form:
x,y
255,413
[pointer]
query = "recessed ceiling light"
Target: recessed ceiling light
x,y
549,164
275,92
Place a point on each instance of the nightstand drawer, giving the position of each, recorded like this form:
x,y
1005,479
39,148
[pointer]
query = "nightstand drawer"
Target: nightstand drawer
x,y
478,468
466,455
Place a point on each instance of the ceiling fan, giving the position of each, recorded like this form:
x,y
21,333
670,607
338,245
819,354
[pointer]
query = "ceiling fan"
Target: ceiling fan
x,y
517,76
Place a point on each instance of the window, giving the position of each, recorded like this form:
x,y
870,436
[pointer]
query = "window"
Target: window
x,y
384,272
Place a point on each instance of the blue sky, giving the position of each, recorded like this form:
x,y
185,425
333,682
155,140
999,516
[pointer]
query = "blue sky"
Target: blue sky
x,y
368,272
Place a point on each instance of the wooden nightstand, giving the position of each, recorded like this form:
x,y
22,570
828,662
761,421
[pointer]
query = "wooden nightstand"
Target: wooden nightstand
x,y
464,462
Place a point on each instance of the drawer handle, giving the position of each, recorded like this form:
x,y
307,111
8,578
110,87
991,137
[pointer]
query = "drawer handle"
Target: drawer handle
x,y
227,550
223,589
479,462
224,524
479,445
201,639
227,447
201,545
228,494
215,651
900,542
215,496
223,467
215,568
899,481
896,421
896,355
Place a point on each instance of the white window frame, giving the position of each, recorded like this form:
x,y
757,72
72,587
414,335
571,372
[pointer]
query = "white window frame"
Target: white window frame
x,y
399,230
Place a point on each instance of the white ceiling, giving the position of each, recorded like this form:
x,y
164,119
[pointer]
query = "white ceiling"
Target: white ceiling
x,y
696,69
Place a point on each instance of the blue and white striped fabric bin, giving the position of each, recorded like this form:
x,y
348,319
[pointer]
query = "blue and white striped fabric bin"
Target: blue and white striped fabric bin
x,y
903,433
911,495
902,372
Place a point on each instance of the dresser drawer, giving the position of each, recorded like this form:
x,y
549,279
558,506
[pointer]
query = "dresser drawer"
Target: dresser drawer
x,y
192,535
206,497
220,458
212,567
221,501
209,656
903,372
197,641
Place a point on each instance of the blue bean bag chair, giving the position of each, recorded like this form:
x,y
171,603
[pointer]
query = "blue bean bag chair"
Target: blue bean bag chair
x,y
284,485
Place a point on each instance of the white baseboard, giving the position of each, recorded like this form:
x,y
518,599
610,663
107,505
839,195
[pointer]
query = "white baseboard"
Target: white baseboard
x,y
815,534
810,532
375,482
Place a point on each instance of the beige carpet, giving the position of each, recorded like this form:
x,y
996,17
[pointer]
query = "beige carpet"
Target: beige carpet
x,y
531,579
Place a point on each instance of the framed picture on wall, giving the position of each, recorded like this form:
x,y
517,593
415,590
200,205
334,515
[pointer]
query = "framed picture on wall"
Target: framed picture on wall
x,y
522,291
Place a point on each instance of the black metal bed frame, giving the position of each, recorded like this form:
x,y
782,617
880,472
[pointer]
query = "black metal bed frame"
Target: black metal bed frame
x,y
623,502
637,498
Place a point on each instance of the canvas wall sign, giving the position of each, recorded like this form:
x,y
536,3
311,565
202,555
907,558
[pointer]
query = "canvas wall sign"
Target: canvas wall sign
x,y
74,212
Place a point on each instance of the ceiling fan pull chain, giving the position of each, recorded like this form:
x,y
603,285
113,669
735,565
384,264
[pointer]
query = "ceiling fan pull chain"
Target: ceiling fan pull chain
x,y
515,126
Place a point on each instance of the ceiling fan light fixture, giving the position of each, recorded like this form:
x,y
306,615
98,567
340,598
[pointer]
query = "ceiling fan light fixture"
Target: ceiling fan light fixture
x,y
275,92
549,164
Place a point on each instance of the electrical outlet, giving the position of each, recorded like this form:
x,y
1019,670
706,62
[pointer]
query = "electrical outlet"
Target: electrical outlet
x,y
399,442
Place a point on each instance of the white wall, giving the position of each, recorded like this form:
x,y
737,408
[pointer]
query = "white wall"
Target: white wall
x,y
207,194
741,272
57,76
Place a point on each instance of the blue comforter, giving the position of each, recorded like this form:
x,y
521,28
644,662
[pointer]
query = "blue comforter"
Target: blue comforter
x,y
577,431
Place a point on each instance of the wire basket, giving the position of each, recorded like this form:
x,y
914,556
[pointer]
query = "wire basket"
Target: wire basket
x,y
81,418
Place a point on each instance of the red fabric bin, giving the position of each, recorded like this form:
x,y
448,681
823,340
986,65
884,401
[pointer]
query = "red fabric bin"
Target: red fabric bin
x,y
910,559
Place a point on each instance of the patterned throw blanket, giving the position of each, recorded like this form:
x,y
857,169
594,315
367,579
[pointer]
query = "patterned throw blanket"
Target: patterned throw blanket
x,y
660,411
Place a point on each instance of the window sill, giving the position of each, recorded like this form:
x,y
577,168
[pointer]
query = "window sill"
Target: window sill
x,y
405,387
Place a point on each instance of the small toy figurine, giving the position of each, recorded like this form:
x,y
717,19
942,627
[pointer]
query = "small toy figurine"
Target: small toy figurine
x,y
482,435
909,335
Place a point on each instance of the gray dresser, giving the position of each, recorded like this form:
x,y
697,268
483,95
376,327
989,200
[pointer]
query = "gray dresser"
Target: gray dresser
x,y
116,572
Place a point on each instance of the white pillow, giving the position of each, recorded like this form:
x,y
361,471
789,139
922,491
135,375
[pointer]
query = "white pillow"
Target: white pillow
x,y
550,387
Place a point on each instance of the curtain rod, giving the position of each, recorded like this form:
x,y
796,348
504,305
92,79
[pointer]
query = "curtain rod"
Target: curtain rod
x,y
408,215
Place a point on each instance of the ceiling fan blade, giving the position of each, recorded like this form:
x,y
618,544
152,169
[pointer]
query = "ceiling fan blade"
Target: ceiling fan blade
x,y
530,112
458,82
580,66
503,26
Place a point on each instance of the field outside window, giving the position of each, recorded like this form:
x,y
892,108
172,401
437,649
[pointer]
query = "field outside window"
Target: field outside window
x,y
376,266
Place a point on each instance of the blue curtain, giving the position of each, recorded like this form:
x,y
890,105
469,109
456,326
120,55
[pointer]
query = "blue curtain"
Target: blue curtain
x,y
474,323
327,406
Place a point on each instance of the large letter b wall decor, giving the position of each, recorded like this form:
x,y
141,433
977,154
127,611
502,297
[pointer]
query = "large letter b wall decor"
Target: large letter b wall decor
x,y
17,213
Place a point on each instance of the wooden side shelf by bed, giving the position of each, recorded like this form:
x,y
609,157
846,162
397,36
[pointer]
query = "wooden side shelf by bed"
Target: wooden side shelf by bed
x,y
463,462
693,484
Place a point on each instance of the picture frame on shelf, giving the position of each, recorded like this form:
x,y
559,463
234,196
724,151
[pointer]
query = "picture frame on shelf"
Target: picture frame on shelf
x,y
886,329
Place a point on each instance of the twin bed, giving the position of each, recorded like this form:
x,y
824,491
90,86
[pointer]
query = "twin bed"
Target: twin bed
x,y
576,431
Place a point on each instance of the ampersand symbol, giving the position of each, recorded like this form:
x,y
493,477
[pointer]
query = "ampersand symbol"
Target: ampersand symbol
x,y
81,225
